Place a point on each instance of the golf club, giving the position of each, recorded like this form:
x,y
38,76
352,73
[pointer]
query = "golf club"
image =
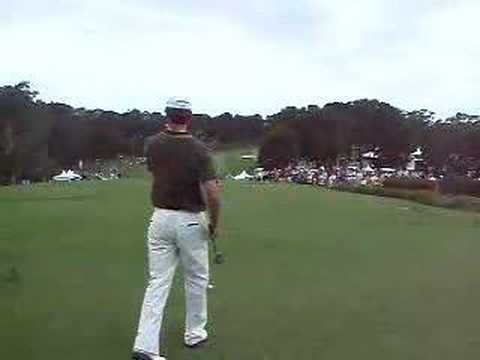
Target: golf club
x,y
219,257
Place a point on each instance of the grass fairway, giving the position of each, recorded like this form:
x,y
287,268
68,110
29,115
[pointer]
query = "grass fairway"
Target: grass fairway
x,y
229,161
310,274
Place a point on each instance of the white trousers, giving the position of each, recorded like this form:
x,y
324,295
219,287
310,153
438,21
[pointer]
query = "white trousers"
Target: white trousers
x,y
175,236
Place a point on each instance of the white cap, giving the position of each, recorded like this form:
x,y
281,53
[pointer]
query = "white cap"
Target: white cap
x,y
179,103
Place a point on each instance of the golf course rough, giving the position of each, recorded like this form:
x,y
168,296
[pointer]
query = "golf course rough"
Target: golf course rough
x,y
311,274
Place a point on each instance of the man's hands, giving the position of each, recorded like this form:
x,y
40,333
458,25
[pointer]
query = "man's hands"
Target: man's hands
x,y
211,193
219,258
213,231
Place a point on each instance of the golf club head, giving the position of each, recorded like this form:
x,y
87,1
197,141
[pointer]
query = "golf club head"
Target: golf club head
x,y
219,258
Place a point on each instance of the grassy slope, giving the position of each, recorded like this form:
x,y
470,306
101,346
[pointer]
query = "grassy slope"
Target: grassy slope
x,y
230,161
310,274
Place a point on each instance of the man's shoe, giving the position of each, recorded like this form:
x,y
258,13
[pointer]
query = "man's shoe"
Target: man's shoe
x,y
142,356
197,345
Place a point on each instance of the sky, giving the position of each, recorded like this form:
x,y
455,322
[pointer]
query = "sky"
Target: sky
x,y
246,57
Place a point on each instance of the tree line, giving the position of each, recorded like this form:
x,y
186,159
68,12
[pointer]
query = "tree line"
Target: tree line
x,y
328,133
37,139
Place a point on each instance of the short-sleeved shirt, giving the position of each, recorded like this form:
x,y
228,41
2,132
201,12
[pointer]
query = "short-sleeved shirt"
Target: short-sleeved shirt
x,y
179,164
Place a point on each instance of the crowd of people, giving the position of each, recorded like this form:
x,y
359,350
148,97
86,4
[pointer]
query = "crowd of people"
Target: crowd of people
x,y
351,173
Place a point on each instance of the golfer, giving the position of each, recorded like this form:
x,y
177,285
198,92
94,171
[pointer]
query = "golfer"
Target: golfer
x,y
184,187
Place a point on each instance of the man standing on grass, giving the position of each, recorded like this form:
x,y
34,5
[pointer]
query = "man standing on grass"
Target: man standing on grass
x,y
184,186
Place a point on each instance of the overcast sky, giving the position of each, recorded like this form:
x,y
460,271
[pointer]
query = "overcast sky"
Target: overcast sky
x,y
249,56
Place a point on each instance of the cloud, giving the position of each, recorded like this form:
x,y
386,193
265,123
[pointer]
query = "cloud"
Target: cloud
x,y
246,57
413,56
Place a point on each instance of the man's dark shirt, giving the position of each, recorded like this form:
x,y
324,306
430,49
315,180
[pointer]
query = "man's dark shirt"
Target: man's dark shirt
x,y
179,163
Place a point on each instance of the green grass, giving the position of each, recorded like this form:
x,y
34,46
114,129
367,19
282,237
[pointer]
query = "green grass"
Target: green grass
x,y
310,274
230,161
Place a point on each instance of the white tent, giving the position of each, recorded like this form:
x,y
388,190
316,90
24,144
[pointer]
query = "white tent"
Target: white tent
x,y
67,176
259,173
412,165
370,155
243,176
368,169
417,152
387,170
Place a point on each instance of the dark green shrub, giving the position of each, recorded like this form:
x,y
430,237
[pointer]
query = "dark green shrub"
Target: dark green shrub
x,y
409,183
460,185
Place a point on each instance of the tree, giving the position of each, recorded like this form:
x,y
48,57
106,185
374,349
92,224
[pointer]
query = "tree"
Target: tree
x,y
331,132
37,138
22,135
280,146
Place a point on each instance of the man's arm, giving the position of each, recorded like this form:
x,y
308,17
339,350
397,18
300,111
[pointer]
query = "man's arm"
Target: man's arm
x,y
146,147
211,193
